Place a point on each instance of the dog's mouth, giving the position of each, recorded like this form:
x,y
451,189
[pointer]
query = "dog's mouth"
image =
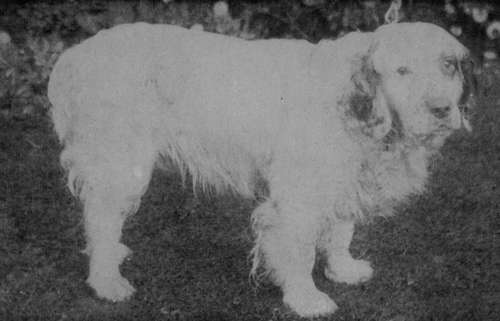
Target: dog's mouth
x,y
431,140
436,138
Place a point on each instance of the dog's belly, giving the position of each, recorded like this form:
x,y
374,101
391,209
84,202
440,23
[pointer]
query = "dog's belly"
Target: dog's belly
x,y
214,161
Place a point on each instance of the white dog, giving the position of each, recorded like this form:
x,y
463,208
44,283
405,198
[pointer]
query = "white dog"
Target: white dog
x,y
339,131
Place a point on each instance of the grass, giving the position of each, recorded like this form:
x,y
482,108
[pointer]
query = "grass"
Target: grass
x,y
438,259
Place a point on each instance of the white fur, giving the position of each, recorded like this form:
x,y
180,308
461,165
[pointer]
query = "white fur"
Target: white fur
x,y
229,112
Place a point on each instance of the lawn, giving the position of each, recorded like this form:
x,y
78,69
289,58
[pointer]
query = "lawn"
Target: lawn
x,y
437,259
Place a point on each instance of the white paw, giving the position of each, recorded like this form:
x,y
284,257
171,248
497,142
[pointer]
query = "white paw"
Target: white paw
x,y
309,303
115,288
349,270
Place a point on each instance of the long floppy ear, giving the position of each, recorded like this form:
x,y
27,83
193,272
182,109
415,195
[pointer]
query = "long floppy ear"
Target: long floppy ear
x,y
366,102
468,101
344,75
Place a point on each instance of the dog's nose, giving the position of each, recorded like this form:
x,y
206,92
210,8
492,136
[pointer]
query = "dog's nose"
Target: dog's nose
x,y
440,112
439,107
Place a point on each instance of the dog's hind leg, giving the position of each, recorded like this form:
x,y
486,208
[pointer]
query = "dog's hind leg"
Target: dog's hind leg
x,y
107,204
105,214
110,167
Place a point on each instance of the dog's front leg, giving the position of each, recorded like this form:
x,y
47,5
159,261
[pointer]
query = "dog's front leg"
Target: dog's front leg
x,y
341,266
287,242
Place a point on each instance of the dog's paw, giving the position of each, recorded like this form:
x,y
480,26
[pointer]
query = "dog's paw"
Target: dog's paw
x,y
115,288
349,270
309,303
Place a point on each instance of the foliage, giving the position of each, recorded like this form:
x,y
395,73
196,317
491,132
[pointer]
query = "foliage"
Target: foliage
x,y
24,72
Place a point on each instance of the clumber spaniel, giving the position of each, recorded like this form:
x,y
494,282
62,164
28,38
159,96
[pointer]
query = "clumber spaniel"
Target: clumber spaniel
x,y
339,131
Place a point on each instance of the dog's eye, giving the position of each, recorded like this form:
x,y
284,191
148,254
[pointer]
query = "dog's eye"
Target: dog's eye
x,y
450,66
403,70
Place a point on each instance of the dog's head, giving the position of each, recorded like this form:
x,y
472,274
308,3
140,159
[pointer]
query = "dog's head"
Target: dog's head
x,y
414,80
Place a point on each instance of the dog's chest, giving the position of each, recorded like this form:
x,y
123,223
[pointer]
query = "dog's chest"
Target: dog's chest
x,y
389,178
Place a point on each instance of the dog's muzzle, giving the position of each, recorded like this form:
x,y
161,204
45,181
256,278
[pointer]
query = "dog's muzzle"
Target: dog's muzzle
x,y
452,116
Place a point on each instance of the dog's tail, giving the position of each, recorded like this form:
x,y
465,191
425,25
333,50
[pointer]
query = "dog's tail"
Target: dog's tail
x,y
62,91
62,94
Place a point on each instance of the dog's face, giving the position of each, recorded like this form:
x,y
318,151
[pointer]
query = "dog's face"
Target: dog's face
x,y
416,74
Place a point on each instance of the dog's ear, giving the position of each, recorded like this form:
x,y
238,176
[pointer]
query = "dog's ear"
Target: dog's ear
x,y
366,101
468,100
364,79
360,99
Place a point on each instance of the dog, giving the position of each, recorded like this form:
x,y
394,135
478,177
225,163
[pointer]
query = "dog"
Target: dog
x,y
339,131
